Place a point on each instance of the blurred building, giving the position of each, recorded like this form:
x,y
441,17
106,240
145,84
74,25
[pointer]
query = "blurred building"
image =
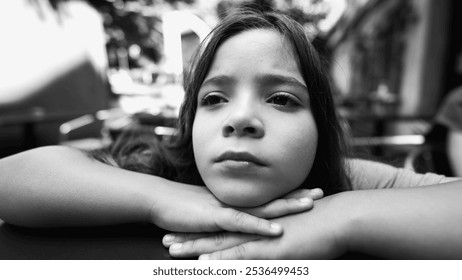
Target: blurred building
x,y
397,56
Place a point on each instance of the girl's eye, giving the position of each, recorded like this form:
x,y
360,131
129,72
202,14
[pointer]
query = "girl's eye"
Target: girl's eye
x,y
282,100
212,99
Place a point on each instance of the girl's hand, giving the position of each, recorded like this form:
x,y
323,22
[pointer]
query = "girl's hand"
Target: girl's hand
x,y
317,234
185,208
294,202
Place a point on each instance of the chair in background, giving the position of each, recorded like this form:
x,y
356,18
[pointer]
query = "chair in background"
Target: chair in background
x,y
390,149
95,131
92,131
428,158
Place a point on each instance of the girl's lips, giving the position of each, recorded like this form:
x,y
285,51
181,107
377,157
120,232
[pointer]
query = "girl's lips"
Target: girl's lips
x,y
238,165
240,158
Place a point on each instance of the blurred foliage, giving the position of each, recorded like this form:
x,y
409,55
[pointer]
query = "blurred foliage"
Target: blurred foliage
x,y
137,23
134,24
225,7
306,12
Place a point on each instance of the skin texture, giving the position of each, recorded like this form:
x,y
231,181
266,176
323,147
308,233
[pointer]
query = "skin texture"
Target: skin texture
x,y
262,109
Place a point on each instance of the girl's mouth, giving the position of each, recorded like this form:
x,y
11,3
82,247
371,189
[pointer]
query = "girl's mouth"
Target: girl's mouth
x,y
240,159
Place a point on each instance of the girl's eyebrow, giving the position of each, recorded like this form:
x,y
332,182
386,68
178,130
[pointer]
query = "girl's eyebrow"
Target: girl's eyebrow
x,y
263,79
277,79
220,80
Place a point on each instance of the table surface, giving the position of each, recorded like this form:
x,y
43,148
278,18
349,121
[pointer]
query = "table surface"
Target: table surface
x,y
124,242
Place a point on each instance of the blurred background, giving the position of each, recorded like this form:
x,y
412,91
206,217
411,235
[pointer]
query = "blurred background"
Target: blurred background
x,y
78,72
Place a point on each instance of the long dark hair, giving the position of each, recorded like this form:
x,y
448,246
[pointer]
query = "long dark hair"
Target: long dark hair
x,y
328,171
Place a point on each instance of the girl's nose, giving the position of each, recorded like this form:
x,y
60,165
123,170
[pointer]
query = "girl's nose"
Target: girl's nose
x,y
243,122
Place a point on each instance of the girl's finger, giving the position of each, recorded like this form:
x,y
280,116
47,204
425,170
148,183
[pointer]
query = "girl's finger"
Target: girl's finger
x,y
281,207
245,251
180,237
294,202
314,194
209,244
237,221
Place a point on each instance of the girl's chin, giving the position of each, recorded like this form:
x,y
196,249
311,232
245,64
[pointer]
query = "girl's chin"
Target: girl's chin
x,y
240,199
245,191
240,202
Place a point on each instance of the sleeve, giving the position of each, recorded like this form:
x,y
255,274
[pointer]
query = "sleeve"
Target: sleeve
x,y
366,174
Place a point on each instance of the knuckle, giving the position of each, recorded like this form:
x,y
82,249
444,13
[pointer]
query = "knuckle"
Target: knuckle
x,y
181,236
259,223
240,217
218,256
190,247
240,252
187,246
220,239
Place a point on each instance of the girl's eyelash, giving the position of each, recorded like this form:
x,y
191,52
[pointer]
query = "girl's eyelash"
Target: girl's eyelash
x,y
280,99
212,99
285,100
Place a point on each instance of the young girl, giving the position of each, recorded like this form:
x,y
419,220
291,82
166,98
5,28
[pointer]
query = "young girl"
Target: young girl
x,y
257,129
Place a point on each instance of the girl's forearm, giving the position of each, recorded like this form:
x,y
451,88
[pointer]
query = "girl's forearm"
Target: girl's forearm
x,y
59,186
415,223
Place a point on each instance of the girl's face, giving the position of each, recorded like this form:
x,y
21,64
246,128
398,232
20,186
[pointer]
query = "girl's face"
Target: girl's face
x,y
254,136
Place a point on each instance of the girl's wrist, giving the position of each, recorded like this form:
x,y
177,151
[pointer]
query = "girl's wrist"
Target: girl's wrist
x,y
344,206
152,198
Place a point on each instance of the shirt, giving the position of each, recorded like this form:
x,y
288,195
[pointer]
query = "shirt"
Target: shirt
x,y
366,175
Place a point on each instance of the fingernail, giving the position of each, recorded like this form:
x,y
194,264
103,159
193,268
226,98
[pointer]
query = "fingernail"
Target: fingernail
x,y
204,257
176,246
169,238
317,191
276,227
304,200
